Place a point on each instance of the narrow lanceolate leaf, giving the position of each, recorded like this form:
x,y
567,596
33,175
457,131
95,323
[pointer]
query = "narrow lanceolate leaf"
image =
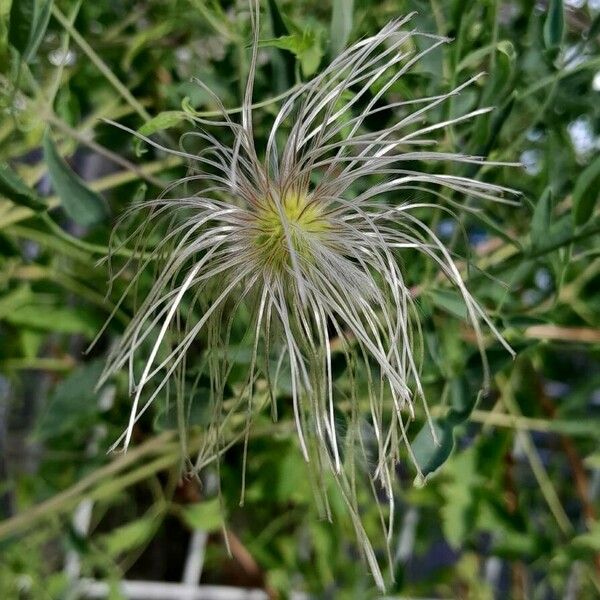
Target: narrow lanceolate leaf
x,y
430,454
558,235
21,24
39,29
277,22
50,317
130,536
28,22
284,63
341,25
206,516
11,301
554,24
82,205
162,121
13,187
586,193
8,247
540,222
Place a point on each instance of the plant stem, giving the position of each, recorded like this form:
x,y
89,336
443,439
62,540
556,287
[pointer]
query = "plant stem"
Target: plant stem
x,y
100,64
539,471
99,185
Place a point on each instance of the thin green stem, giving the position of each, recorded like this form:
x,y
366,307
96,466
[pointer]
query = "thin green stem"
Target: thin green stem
x,y
100,64
66,499
55,85
101,184
238,109
41,364
537,467
112,478
593,63
112,156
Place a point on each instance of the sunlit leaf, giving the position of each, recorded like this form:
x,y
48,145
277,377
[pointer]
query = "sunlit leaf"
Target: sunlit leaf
x,y
206,515
459,497
60,319
130,536
162,121
589,540
305,45
13,300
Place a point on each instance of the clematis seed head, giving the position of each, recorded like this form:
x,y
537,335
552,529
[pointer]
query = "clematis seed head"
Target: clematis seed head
x,y
304,243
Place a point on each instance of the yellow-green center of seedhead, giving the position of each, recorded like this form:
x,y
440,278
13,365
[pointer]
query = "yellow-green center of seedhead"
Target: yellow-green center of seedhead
x,y
295,222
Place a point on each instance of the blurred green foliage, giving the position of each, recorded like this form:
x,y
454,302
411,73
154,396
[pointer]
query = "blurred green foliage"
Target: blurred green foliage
x,y
512,510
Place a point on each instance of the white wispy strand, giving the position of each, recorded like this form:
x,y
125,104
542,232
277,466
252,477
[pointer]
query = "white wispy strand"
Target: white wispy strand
x,y
286,238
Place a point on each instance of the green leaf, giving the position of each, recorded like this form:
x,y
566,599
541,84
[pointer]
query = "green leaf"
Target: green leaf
x,y
130,536
449,301
292,477
592,461
586,193
8,247
462,400
540,222
458,510
554,24
594,28
473,59
163,120
11,301
21,24
283,61
590,540
81,204
72,404
577,427
341,25
137,42
31,340
430,455
52,318
559,234
38,31
207,515
28,22
13,187
277,21
305,45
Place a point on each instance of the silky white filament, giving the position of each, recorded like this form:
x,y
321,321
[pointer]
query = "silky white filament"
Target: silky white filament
x,y
308,241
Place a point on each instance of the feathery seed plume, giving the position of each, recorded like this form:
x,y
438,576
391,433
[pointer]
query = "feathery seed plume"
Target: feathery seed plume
x,y
304,238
